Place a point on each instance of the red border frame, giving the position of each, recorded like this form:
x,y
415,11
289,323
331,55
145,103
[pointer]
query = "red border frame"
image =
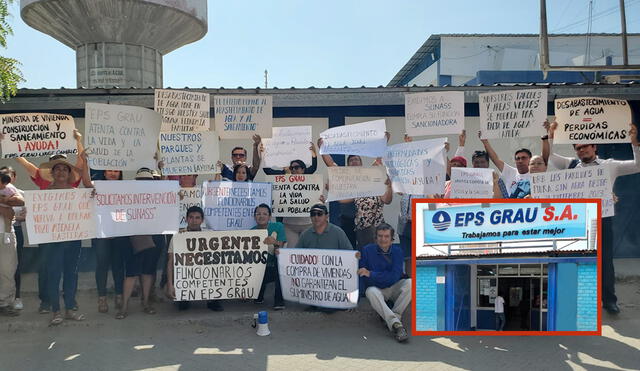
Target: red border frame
x,y
415,332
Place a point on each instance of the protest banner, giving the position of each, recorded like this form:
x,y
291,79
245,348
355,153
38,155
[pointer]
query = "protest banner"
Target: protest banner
x,y
185,153
59,215
364,139
417,168
592,120
287,144
230,205
434,113
294,194
121,137
320,277
584,182
242,116
218,265
189,197
37,134
471,183
513,113
346,182
182,110
136,207
505,222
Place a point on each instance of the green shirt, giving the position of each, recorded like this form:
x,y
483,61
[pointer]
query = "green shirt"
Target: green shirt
x,y
333,237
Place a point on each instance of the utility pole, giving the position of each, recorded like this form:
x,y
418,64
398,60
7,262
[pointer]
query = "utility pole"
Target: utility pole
x,y
266,79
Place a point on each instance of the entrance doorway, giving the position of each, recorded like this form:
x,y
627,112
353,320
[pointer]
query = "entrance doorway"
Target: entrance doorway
x,y
525,303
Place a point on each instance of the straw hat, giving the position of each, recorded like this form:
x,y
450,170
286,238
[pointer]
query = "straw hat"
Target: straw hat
x,y
47,167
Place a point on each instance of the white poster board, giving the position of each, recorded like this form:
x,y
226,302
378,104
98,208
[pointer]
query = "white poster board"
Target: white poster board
x,y
182,110
435,113
321,277
471,183
185,153
364,139
230,205
212,265
37,134
189,197
121,137
417,168
242,116
294,194
513,113
592,120
136,207
59,215
584,182
287,144
347,182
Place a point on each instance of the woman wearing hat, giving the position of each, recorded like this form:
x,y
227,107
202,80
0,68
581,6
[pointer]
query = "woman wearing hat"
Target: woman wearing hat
x,y
61,258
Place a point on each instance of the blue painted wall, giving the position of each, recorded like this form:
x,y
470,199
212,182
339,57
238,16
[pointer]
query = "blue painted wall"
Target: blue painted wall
x,y
566,297
458,304
430,298
587,298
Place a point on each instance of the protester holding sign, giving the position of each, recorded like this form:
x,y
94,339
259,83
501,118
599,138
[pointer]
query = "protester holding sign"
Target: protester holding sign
x,y
480,160
277,238
19,218
381,266
8,250
587,156
238,157
322,234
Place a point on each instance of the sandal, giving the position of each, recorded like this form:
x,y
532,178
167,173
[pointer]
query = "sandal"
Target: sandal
x,y
57,319
103,307
73,316
149,310
119,299
121,315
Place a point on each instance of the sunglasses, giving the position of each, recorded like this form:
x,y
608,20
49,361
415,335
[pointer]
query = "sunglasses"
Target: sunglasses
x,y
317,213
238,154
296,167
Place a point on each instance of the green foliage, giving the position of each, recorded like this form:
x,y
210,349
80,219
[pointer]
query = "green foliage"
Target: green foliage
x,y
10,75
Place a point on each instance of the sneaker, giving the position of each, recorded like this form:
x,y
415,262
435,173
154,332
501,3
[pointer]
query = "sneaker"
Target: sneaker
x,y
8,311
44,308
258,301
278,306
17,304
399,332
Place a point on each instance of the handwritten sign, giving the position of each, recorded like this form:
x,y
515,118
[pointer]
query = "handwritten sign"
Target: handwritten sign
x,y
137,207
355,182
59,215
219,265
471,183
189,197
230,205
321,277
287,144
121,137
513,113
364,139
37,134
417,168
592,120
434,113
585,182
293,194
182,110
185,153
242,116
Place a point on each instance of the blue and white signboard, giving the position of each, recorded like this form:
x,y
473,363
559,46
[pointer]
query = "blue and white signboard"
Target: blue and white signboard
x,y
505,222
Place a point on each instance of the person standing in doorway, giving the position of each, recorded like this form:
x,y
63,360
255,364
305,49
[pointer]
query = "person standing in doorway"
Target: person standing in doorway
x,y
498,308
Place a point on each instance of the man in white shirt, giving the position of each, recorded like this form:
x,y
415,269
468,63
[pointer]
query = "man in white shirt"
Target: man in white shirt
x,y
498,308
8,255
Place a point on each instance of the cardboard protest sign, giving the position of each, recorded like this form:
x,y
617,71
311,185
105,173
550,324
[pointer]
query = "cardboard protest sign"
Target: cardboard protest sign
x,y
592,120
294,194
229,205
212,265
471,183
513,113
355,182
321,277
137,207
59,215
417,168
37,134
364,139
189,197
185,153
434,113
121,137
182,110
583,182
287,144
242,116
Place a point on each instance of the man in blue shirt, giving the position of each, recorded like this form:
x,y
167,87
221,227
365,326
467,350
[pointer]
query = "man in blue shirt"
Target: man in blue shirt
x,y
381,266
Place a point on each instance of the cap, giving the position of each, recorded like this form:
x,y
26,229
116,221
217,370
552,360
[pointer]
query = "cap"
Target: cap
x,y
461,160
319,207
144,174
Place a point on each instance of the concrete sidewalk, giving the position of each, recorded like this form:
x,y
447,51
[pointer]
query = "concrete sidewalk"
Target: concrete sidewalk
x,y
627,269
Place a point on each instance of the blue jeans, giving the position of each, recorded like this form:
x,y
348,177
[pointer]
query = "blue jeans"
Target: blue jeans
x,y
500,321
62,262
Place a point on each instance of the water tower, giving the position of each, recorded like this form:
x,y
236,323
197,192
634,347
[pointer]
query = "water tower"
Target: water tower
x,y
119,42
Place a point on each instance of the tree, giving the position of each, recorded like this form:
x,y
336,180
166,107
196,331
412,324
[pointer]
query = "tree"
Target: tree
x,y
10,75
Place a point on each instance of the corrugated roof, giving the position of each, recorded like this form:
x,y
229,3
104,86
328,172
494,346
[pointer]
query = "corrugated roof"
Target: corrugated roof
x,y
556,253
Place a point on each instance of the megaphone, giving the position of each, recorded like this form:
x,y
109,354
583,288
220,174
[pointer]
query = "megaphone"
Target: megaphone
x,y
263,324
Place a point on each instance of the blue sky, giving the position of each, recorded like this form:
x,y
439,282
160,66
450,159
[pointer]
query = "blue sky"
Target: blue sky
x,y
318,43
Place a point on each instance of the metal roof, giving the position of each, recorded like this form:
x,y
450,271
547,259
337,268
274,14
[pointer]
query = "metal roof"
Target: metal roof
x,y
555,253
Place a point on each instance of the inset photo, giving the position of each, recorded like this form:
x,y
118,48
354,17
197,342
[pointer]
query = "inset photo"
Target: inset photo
x,y
506,267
